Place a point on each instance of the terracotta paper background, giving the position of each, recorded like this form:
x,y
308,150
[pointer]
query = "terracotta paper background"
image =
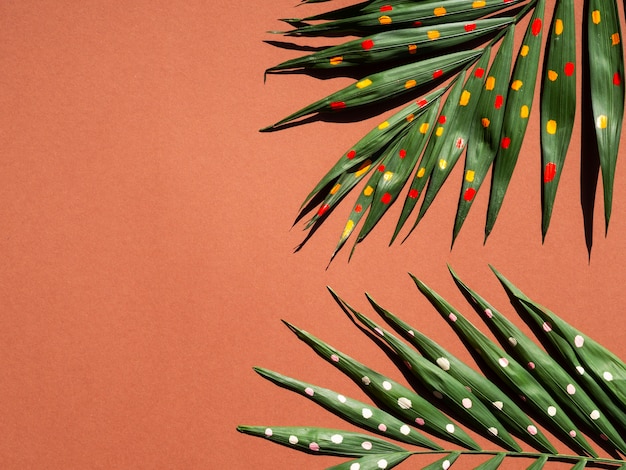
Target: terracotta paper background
x,y
147,252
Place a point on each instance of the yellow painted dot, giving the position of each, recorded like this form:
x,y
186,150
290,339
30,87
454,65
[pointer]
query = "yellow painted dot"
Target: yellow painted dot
x,y
558,26
424,128
384,19
364,83
490,83
615,39
439,131
469,175
524,50
552,75
412,48
523,112
368,191
485,122
365,166
439,11
443,164
601,122
388,175
336,60
410,84
348,229
595,16
421,172
383,125
410,117
516,85
433,34
335,189
478,4
551,126
465,97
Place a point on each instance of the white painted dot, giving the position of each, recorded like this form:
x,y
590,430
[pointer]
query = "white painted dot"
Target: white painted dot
x,y
411,332
443,363
293,440
379,331
355,466
314,446
532,430
452,317
438,394
334,358
571,389
309,391
382,463
404,403
336,438
445,465
367,445
489,313
386,385
341,398
546,327
595,414
405,430
579,341
467,403
367,413
269,432
572,433
580,370
366,380
493,431
512,341
503,361
551,411
607,376
382,427
450,427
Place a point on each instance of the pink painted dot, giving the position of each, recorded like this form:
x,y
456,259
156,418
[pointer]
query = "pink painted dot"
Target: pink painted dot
x,y
531,365
314,446
489,313
503,361
382,427
334,358
413,193
309,391
452,317
532,430
546,327
460,143
419,421
572,433
351,154
408,365
269,432
571,389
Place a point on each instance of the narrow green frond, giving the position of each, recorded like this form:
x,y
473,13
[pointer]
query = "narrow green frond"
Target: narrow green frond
x,y
373,462
444,462
493,463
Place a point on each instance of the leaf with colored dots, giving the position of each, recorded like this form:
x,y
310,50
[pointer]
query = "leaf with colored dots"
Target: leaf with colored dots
x,y
511,415
484,137
323,441
558,103
354,411
384,86
606,80
403,44
373,462
380,17
516,113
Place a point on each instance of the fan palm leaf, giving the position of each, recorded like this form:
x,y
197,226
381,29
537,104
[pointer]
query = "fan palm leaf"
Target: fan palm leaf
x,y
575,392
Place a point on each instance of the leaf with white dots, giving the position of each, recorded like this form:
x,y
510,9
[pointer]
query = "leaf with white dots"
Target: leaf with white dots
x,y
322,441
373,462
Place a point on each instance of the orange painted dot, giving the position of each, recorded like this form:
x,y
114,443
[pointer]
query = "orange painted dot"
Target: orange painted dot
x,y
439,11
386,199
551,126
335,189
410,84
595,16
413,193
384,19
524,111
412,48
549,172
410,117
615,39
478,4
485,122
490,83
337,105
569,69
469,194
558,27
433,34
516,85
358,208
506,142
536,27
465,97
552,75
336,60
368,191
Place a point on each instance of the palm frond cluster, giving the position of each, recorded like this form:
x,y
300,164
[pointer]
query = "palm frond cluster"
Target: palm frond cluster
x,y
572,387
469,92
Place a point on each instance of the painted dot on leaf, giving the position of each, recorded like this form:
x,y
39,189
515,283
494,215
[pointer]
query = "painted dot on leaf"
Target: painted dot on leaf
x,y
596,17
536,27
422,103
293,440
363,83
493,431
601,122
506,142
351,154
572,434
469,194
607,376
452,317
615,39
571,390
386,8
470,27
358,208
410,84
402,153
465,97
382,464
420,421
450,428
386,385
433,34
404,403
532,430
467,403
334,358
314,446
580,370
531,365
551,411
479,72
366,413
524,50
490,83
412,48
336,60
524,112
546,327
382,427
404,429
498,102
413,193
558,27
309,391
551,127
595,414
459,143
341,398
337,105
366,380
617,80
437,73
443,363
381,168
384,19
439,11
503,361
569,68
552,75
498,404
517,84
269,432
485,122
579,341
336,438
489,313
368,191
355,466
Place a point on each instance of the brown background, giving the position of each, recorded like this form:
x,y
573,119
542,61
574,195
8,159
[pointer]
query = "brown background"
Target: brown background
x,y
146,244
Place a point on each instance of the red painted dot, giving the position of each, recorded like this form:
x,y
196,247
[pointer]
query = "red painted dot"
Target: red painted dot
x,y
367,44
351,154
402,153
386,199
413,193
549,172
506,141
470,27
422,103
469,194
417,23
358,208
437,73
617,80
386,8
322,210
381,168
337,105
569,69
479,72
498,103
441,119
536,28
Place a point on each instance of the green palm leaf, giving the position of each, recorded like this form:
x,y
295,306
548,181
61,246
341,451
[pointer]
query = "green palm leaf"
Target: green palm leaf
x,y
407,48
519,388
